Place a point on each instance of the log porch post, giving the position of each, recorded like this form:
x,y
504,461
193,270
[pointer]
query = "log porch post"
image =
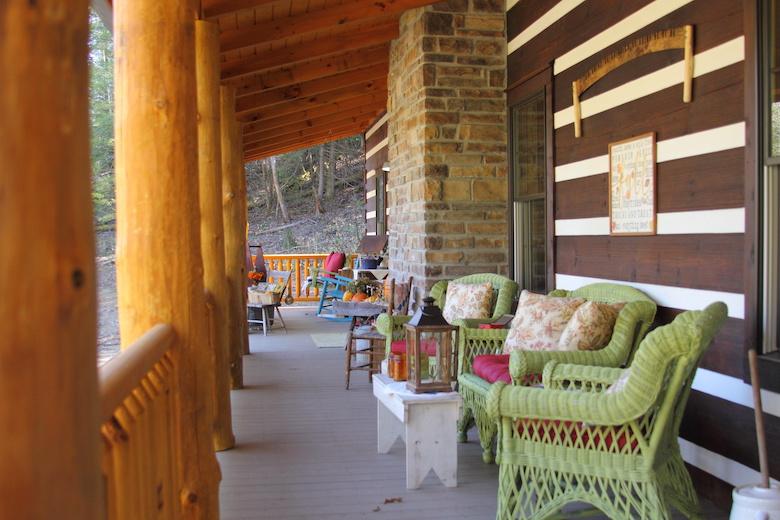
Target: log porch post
x,y
159,266
49,459
235,232
211,228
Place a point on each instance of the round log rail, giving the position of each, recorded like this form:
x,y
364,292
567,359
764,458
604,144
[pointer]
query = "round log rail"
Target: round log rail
x,y
49,457
212,234
120,376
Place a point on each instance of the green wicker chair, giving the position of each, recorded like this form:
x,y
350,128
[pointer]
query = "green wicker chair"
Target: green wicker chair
x,y
504,291
617,450
631,326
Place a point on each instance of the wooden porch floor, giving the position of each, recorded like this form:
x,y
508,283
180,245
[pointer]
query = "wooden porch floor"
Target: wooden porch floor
x,y
306,448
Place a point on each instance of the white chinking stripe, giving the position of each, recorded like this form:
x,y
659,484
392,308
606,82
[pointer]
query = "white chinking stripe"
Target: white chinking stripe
x,y
628,25
560,10
370,215
735,390
381,144
730,220
665,295
698,143
371,194
731,471
370,173
371,131
718,57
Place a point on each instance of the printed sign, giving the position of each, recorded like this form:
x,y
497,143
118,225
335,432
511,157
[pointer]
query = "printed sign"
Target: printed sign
x,y
632,204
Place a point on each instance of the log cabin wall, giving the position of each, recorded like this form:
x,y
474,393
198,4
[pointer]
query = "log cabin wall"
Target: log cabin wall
x,y
375,177
703,168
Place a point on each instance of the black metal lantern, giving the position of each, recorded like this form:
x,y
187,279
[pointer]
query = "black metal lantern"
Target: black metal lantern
x,y
432,350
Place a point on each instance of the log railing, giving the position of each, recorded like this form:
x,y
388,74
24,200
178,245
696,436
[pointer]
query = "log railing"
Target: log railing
x,y
137,405
301,266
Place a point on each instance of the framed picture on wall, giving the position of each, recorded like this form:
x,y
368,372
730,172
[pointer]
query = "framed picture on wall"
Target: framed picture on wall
x,y
632,193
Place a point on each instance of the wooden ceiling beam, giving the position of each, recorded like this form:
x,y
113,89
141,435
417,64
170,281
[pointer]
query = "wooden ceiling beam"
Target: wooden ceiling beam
x,y
301,135
214,8
261,154
248,104
377,87
306,71
333,121
365,110
341,42
280,149
313,21
363,101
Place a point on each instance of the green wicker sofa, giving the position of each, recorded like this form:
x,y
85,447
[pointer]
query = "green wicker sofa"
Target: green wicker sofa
x,y
504,291
632,324
616,449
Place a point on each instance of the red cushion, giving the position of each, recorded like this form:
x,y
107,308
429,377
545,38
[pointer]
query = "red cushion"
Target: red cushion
x,y
399,347
333,263
491,326
580,430
492,367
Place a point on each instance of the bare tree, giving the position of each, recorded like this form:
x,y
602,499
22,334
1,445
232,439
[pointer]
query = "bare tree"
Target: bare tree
x,y
331,187
320,181
278,189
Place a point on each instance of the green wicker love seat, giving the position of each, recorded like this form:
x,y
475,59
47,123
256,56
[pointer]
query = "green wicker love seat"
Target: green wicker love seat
x,y
578,440
525,368
504,291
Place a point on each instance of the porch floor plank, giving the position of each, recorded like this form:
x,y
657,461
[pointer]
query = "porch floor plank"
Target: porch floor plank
x,y
306,448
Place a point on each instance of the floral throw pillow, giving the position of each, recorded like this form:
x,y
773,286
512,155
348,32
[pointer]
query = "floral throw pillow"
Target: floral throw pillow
x,y
539,322
590,328
467,301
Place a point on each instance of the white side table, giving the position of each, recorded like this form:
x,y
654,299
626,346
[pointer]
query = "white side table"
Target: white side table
x,y
428,425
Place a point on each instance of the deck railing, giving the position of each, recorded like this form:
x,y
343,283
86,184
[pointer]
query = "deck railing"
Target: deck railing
x,y
301,266
137,406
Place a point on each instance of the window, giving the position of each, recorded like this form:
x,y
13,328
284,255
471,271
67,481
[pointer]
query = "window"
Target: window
x,y
769,54
528,144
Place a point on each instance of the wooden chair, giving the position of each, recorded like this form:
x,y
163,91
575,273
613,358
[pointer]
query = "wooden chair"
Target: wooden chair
x,y
376,340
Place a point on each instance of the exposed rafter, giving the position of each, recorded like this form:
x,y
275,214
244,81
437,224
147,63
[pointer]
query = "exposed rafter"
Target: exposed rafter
x,y
313,21
334,121
364,101
298,143
359,39
378,87
214,8
310,70
296,119
272,97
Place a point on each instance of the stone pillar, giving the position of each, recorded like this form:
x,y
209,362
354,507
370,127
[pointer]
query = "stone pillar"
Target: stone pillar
x,y
447,142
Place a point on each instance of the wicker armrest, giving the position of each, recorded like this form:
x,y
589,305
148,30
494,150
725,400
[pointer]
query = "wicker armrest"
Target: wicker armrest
x,y
562,376
386,324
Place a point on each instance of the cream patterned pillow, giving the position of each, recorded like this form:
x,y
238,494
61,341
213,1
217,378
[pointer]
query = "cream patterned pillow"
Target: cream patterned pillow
x,y
467,301
539,322
590,328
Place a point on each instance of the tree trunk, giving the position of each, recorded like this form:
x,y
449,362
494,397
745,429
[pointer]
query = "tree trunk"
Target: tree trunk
x,y
278,190
331,187
320,181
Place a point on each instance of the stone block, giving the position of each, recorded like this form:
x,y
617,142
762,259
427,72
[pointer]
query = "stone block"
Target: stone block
x,y
484,22
444,257
437,23
442,118
488,6
456,190
456,45
458,243
485,105
433,242
494,133
490,190
487,228
445,227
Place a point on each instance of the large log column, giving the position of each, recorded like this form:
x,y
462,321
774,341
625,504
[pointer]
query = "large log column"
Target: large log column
x,y
235,231
49,465
159,267
211,229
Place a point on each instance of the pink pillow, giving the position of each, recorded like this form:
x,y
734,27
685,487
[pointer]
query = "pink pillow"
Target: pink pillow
x,y
492,367
539,322
399,347
333,263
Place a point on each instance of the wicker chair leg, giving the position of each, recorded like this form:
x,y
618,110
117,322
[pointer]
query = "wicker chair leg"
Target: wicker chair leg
x,y
679,490
465,423
487,429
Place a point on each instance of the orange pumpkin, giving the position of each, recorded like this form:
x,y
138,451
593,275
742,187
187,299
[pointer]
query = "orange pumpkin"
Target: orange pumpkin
x,y
359,297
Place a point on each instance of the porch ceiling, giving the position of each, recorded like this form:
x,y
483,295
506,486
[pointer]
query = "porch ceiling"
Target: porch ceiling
x,y
305,71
